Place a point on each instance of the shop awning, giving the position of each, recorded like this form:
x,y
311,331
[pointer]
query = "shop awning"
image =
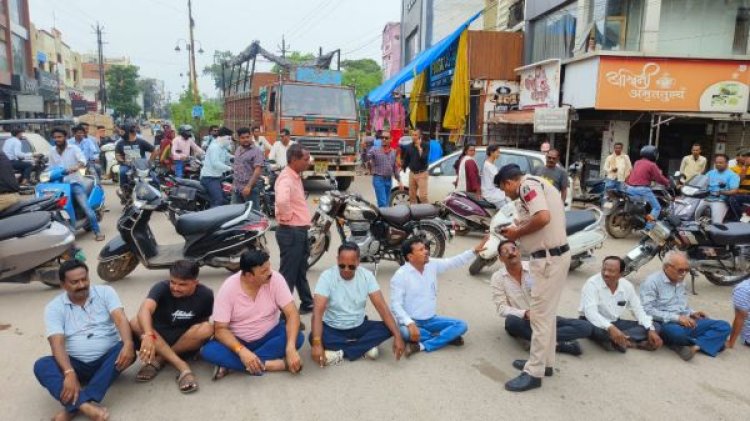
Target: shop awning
x,y
512,117
423,60
708,116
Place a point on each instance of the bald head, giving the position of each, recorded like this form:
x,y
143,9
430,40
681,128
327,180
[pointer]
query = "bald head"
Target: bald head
x,y
676,266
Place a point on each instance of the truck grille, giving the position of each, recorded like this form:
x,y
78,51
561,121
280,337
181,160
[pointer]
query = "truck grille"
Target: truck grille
x,y
322,146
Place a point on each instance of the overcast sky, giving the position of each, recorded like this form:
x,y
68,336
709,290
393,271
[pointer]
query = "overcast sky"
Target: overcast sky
x,y
147,30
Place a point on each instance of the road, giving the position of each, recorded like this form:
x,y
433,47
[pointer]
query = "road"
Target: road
x,y
454,383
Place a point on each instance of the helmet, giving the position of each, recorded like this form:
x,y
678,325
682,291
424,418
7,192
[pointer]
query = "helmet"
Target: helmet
x,y
185,129
650,152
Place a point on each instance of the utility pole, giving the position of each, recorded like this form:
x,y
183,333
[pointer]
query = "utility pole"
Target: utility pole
x,y
193,75
283,47
100,57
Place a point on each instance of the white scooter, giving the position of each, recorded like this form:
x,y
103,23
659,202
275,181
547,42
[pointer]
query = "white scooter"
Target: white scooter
x,y
113,167
584,229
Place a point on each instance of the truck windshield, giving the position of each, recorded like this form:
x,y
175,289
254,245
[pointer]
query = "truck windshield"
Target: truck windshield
x,y
323,101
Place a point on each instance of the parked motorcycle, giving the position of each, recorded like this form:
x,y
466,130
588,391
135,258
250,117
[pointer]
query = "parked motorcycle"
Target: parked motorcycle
x,y
216,237
53,185
379,233
584,229
721,252
467,212
32,246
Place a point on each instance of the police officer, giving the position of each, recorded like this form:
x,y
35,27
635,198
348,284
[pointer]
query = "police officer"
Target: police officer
x,y
540,230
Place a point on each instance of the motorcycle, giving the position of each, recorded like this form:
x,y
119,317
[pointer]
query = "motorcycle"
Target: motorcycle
x,y
379,232
32,246
216,237
52,184
467,212
625,213
186,195
720,252
588,191
583,227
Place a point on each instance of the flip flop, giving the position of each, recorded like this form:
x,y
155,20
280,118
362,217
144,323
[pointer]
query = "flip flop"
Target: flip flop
x,y
186,382
147,373
219,373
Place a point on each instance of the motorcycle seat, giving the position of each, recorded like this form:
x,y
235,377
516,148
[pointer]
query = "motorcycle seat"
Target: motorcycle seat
x,y
578,220
19,206
398,215
730,233
18,225
207,220
479,201
189,183
423,211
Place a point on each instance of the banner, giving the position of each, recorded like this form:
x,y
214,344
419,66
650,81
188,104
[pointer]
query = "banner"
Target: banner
x,y
540,85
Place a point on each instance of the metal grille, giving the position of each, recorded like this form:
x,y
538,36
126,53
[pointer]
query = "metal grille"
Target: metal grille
x,y
322,146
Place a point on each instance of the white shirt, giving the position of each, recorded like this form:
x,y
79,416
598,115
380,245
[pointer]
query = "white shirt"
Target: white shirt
x,y
263,143
489,191
13,149
414,294
278,153
600,306
70,158
510,297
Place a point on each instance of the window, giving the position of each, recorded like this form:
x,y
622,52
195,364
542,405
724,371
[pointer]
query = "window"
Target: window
x,y
323,101
411,46
702,28
4,63
508,158
16,11
18,45
617,24
515,13
553,35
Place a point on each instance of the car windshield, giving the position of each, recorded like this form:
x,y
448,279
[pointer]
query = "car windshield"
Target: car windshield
x,y
447,167
313,101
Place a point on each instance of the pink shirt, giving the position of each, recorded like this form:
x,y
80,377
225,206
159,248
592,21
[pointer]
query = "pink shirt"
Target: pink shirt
x,y
291,206
184,146
250,319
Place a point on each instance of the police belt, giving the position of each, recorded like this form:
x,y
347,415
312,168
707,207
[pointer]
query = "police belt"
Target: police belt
x,y
556,251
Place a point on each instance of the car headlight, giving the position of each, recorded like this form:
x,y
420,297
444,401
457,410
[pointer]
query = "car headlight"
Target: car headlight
x,y
44,177
325,203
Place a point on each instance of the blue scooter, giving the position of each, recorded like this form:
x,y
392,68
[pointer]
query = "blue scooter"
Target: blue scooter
x,y
52,183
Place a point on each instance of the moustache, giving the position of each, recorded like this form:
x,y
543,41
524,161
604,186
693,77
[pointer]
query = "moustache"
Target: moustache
x,y
79,290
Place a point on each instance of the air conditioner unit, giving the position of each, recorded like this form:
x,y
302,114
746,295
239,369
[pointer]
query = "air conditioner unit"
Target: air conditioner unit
x,y
722,127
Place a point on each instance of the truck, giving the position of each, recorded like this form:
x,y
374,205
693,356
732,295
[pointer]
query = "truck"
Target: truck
x,y
307,99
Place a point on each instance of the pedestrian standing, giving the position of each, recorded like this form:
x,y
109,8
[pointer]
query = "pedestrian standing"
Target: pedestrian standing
x,y
294,221
617,168
467,179
215,165
553,174
248,165
278,150
693,164
261,141
382,163
415,159
213,133
541,233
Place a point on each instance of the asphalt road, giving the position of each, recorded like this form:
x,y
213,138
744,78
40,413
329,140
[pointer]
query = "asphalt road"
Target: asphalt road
x,y
454,383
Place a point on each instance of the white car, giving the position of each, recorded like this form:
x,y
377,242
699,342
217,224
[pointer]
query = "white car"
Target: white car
x,y
442,173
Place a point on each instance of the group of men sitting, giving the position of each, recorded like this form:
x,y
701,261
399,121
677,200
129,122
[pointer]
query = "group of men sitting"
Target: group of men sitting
x,y
253,324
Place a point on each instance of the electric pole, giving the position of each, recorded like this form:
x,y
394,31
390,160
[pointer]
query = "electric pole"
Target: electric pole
x,y
283,47
100,57
193,76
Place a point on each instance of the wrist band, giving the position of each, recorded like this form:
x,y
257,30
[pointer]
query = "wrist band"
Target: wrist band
x,y
316,341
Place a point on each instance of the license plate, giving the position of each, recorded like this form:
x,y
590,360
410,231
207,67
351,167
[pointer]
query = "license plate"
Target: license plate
x,y
321,167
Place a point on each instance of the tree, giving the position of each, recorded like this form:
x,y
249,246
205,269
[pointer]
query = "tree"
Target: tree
x,y
151,95
122,90
182,111
214,70
365,75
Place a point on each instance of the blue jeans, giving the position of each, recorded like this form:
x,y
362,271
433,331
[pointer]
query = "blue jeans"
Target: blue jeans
x,y
23,167
610,185
98,376
254,197
95,169
357,341
79,195
214,189
647,194
272,346
179,168
382,186
124,174
709,335
436,332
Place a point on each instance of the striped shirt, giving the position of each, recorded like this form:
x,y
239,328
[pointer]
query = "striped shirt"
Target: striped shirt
x,y
741,300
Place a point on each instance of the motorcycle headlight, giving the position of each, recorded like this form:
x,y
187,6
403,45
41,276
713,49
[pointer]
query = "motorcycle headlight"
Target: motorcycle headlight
x,y
325,203
44,177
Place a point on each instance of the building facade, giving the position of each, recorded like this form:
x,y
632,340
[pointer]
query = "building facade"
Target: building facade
x,y
90,78
391,49
19,90
59,72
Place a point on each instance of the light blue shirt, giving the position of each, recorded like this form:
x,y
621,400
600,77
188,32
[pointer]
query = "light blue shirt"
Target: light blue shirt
x,y
728,177
741,301
663,299
216,162
346,299
70,158
89,331
414,294
87,146
13,149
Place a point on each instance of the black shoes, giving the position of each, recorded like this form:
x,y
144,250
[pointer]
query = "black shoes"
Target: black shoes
x,y
457,342
570,348
523,383
519,365
412,348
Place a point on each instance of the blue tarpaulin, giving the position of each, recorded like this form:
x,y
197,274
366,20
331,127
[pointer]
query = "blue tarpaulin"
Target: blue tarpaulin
x,y
384,92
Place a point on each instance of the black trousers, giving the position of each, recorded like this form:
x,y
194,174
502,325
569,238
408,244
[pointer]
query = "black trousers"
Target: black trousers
x,y
630,328
567,329
295,250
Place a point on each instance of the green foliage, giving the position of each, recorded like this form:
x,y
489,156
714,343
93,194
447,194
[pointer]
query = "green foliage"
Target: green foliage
x,y
182,111
214,70
122,90
365,75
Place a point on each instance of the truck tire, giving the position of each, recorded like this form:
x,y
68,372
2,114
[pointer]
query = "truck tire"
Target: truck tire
x,y
344,182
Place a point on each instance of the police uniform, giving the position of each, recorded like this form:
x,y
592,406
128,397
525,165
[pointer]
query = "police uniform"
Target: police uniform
x,y
550,261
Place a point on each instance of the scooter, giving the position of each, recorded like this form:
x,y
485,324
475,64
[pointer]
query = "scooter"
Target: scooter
x,y
584,229
112,171
216,237
186,195
32,246
586,191
466,212
48,204
52,184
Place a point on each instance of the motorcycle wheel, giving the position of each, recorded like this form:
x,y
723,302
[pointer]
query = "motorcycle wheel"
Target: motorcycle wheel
x,y
114,270
318,245
477,265
575,264
618,224
723,280
434,238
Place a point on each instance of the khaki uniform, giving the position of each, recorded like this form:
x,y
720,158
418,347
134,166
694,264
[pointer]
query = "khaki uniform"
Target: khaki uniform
x,y
8,199
549,273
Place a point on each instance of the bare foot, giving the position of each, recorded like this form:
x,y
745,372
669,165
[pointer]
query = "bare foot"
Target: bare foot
x,y
64,416
94,411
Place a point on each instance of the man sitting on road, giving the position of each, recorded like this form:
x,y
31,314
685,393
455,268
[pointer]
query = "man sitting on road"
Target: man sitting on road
x,y
604,298
511,292
173,321
684,330
248,334
91,342
340,328
414,298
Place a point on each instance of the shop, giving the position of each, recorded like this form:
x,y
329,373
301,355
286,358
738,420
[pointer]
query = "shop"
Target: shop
x,y
49,89
28,102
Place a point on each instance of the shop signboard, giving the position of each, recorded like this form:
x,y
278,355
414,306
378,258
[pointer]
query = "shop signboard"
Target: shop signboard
x,y
48,85
551,120
540,85
502,96
25,85
30,103
441,70
670,84
79,106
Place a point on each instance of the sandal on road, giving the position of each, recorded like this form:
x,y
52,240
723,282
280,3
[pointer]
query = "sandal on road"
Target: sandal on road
x,y
186,382
147,372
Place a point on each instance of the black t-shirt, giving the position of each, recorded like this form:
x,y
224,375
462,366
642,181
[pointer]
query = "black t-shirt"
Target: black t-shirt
x,y
133,150
184,312
8,182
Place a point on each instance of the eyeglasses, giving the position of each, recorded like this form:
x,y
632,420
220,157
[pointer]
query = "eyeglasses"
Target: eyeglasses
x,y
681,271
350,267
507,251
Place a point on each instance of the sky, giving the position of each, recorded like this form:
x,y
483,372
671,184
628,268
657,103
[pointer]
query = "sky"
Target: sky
x,y
148,30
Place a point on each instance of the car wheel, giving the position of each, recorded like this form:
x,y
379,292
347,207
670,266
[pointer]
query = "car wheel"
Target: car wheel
x,y
399,197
